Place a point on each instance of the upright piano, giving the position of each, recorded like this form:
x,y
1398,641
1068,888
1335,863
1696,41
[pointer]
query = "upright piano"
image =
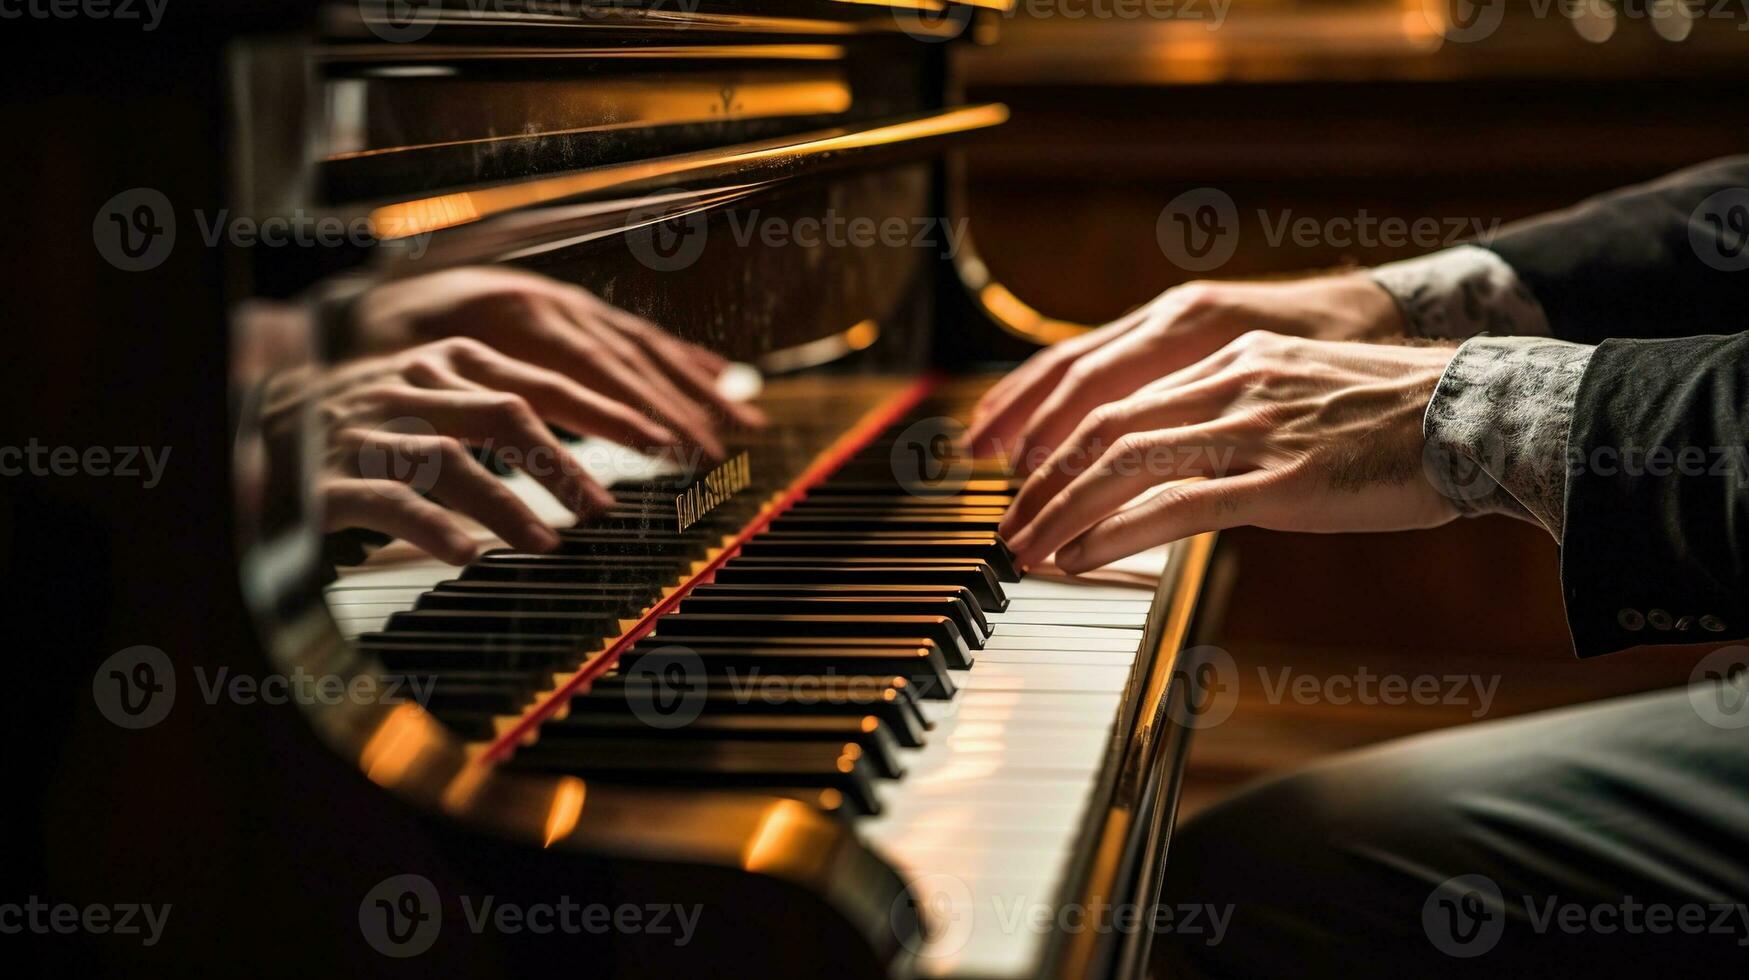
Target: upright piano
x,y
798,685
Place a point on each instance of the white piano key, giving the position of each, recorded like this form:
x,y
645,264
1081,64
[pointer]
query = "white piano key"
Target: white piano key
x,y
1120,620
352,597
1034,587
1084,632
1092,658
1045,677
420,575
1009,640
1077,605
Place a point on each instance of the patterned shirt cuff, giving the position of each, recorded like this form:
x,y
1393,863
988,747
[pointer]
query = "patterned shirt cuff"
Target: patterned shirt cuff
x,y
1497,425
1462,292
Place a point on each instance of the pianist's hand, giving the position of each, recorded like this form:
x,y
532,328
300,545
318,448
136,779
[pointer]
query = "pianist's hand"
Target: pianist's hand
x,y
1286,433
395,432
1029,412
543,321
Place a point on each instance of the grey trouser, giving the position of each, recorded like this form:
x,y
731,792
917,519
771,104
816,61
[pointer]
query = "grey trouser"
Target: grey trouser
x,y
1607,838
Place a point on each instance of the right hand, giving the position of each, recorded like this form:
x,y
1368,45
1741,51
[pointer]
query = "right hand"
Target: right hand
x,y
1027,414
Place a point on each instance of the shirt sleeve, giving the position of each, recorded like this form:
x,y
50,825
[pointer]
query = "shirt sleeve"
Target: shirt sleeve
x,y
1462,292
1504,409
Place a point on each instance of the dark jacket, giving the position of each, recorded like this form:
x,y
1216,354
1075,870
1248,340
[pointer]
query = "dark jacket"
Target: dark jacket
x,y
1656,541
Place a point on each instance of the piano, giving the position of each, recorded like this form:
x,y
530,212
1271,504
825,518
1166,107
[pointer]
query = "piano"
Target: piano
x,y
800,685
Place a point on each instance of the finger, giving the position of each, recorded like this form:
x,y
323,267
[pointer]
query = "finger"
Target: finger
x,y
395,509
1175,512
691,367
1012,400
1003,409
614,367
1181,405
446,469
505,423
1114,371
1133,464
564,402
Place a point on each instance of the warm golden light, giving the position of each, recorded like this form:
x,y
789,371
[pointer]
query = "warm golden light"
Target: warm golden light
x,y
443,211
566,810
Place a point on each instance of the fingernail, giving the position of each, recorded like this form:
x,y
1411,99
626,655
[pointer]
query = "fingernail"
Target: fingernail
x,y
1069,557
462,548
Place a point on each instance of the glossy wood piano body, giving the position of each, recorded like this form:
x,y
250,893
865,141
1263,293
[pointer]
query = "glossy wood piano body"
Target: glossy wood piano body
x,y
670,161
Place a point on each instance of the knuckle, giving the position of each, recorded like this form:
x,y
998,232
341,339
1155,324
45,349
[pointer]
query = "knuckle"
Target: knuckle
x,y
1197,294
450,448
512,409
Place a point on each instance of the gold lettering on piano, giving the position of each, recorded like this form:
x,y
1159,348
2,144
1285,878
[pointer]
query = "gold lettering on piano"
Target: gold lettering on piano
x,y
734,475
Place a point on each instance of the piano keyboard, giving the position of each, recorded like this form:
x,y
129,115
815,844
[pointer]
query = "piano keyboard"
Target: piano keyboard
x,y
870,651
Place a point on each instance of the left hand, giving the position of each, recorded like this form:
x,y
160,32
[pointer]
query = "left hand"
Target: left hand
x,y
1284,433
542,321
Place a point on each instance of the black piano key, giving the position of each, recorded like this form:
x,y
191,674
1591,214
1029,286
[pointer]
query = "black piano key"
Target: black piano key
x,y
442,657
491,622
977,577
573,571
590,542
989,501
879,747
939,629
746,663
658,565
492,698
627,599
887,521
892,699
827,764
801,585
477,641
519,601
836,487
803,544
871,605
828,801
470,724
